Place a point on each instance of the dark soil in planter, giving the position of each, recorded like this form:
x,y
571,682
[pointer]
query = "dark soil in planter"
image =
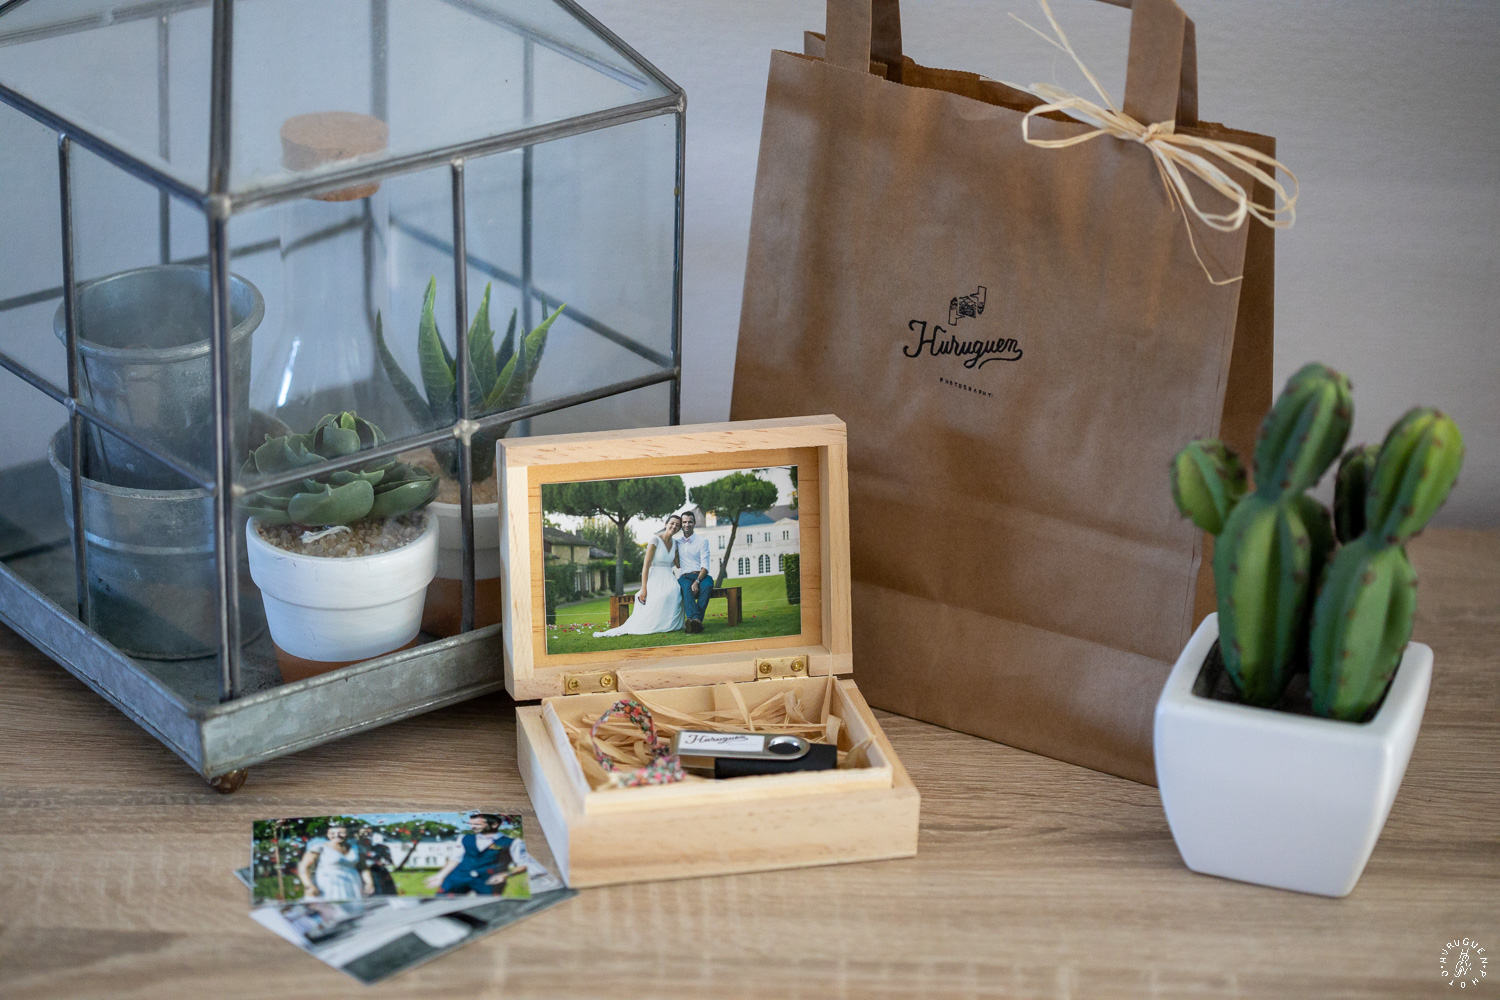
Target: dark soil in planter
x,y
366,538
1214,683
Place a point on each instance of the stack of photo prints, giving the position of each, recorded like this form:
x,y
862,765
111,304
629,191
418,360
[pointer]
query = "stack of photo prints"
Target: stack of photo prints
x,y
375,894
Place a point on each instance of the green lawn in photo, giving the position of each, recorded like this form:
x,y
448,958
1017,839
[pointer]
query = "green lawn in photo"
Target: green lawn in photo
x,y
409,881
288,888
765,612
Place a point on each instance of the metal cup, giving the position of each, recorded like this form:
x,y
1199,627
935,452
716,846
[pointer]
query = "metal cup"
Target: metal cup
x,y
143,353
153,577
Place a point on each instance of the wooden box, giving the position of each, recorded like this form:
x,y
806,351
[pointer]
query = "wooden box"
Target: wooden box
x,y
601,836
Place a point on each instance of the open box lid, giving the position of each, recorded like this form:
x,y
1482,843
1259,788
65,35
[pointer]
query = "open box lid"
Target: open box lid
x,y
816,446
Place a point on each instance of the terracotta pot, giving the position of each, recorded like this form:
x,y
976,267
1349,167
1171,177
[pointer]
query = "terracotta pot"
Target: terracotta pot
x,y
295,668
443,612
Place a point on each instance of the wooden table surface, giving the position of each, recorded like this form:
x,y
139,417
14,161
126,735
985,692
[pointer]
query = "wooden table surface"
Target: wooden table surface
x,y
1034,878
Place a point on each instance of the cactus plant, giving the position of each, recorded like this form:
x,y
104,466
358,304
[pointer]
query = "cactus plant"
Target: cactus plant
x,y
382,488
1281,600
1364,611
1275,541
1305,430
499,378
1208,480
1349,490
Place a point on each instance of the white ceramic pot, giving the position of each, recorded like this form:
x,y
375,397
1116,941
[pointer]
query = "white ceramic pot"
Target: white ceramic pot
x,y
1290,801
343,609
451,541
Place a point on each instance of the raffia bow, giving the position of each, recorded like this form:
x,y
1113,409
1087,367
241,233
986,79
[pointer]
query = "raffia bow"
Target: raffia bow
x,y
1175,154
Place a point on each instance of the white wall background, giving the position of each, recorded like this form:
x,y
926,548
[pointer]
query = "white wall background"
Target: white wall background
x,y
1384,110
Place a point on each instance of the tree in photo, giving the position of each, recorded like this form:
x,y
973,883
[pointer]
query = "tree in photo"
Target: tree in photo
x,y
601,534
727,499
618,500
278,844
415,831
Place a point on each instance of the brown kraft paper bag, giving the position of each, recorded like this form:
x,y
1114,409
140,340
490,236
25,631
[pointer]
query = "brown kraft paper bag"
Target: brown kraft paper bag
x,y
1019,340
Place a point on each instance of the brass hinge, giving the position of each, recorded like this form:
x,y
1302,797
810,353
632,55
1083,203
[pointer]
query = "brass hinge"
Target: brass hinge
x,y
592,683
768,667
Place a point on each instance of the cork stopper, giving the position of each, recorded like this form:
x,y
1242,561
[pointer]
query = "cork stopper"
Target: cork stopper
x,y
311,140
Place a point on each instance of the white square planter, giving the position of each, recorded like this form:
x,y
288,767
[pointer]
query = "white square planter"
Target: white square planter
x,y
1289,801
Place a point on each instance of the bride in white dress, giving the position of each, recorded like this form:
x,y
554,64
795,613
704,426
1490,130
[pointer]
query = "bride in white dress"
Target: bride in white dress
x,y
658,604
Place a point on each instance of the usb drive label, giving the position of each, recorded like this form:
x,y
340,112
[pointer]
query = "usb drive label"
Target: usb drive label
x,y
697,742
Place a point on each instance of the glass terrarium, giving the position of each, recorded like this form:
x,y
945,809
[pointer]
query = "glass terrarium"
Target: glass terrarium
x,y
275,277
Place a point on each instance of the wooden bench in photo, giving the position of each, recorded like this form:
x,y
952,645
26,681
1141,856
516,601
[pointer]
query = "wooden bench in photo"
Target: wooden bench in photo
x,y
732,596
619,606
619,609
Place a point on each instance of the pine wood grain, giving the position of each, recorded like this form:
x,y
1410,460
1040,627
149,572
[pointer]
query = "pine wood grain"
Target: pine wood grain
x,y
1035,879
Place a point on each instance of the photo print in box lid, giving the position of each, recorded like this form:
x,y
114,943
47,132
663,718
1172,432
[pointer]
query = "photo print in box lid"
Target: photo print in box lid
x,y
671,560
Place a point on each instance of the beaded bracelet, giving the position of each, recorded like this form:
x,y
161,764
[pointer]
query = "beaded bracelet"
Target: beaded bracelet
x,y
665,767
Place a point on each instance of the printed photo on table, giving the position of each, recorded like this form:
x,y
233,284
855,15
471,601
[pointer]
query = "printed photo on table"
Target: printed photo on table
x,y
374,940
671,560
344,858
383,935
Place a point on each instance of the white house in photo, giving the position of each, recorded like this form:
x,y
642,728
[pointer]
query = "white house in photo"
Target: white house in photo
x,y
429,853
764,539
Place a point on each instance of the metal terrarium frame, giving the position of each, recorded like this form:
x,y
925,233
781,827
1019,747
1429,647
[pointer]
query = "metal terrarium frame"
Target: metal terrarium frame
x,y
221,739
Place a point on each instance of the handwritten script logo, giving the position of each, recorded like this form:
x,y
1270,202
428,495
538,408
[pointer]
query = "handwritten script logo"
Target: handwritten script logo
x,y
976,353
937,340
719,740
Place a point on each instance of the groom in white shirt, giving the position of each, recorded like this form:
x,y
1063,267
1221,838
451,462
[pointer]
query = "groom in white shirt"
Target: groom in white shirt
x,y
693,559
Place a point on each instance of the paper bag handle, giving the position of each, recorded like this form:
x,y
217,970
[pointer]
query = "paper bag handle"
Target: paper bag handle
x,y
1161,77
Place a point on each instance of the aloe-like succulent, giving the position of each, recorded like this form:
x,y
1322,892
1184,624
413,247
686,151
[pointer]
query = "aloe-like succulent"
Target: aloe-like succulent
x,y
1296,586
323,499
499,378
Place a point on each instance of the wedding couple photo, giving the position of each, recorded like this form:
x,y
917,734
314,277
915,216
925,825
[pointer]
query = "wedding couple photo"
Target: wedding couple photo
x,y
343,858
669,560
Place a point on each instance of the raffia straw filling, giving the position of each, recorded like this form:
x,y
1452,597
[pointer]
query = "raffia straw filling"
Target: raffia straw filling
x,y
623,742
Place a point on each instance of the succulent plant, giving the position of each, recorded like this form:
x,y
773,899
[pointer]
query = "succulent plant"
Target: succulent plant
x,y
1282,602
1305,430
1364,611
382,488
1272,543
1208,480
1349,490
499,378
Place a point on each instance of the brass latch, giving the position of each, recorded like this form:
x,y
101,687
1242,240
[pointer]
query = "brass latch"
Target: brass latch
x,y
780,666
594,683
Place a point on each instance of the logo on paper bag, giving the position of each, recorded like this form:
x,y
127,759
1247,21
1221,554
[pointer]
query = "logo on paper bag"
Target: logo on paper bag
x,y
966,305
935,340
